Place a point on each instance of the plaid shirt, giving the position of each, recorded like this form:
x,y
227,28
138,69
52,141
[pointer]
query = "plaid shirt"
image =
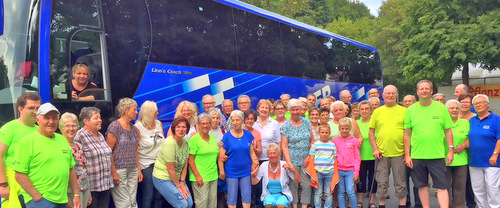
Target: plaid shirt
x,y
98,155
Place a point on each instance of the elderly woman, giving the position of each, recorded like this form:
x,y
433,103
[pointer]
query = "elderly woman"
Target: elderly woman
x,y
215,129
150,141
250,117
324,116
484,139
68,124
314,118
98,156
304,111
203,153
170,169
296,139
123,139
239,148
188,110
80,83
338,108
275,175
279,112
465,106
457,170
367,167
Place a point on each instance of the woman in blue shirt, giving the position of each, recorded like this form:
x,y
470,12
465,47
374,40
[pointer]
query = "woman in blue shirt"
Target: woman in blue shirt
x,y
239,147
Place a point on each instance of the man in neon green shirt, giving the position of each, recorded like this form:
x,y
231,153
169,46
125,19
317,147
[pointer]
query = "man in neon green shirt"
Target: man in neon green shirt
x,y
387,146
10,134
427,124
44,164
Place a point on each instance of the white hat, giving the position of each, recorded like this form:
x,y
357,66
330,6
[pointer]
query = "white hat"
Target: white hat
x,y
45,108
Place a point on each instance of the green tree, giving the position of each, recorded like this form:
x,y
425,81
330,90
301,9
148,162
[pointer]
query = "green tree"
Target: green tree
x,y
443,36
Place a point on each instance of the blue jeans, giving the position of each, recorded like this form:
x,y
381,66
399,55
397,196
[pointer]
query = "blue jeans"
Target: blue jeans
x,y
346,184
172,194
44,203
151,198
324,183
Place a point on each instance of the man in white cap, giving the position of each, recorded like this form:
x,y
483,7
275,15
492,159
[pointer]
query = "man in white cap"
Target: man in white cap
x,y
44,164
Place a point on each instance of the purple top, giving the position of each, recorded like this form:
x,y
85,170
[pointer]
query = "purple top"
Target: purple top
x,y
125,151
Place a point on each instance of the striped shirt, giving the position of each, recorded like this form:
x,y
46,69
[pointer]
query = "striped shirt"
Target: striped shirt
x,y
98,155
323,156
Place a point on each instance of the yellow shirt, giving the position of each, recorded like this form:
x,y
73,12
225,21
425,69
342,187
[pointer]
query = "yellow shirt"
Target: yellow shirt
x,y
389,123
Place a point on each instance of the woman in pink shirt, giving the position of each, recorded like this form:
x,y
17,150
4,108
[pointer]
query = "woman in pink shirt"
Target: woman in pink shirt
x,y
349,160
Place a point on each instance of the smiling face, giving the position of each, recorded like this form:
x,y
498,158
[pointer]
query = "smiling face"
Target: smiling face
x,y
243,104
295,112
314,116
338,111
453,110
344,130
186,112
69,129
95,122
323,117
324,133
215,121
263,110
204,126
311,100
81,75
279,110
424,91
390,94
465,104
481,105
47,124
365,111
273,155
237,122
249,121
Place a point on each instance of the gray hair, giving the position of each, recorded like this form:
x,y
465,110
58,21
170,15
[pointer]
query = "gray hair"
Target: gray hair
x,y
147,114
294,103
375,98
285,95
65,117
87,112
303,99
124,104
422,81
227,100
214,111
481,95
207,96
338,102
464,87
449,102
437,94
274,146
343,92
365,102
237,113
243,96
204,116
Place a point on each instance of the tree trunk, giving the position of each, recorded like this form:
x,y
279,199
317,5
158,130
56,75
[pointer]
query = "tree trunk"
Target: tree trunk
x,y
465,73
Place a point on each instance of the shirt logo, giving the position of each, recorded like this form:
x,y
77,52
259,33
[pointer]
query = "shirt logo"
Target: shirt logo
x,y
65,151
486,127
435,117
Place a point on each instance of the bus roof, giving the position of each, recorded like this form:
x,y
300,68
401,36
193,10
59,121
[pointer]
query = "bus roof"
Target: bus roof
x,y
288,21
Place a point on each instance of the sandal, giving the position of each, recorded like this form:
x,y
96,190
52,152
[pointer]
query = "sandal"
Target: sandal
x,y
360,205
372,205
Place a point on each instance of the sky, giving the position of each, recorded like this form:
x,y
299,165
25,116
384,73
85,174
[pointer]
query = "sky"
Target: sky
x,y
373,5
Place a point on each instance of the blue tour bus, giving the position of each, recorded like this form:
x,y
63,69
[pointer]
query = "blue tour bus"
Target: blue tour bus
x,y
170,50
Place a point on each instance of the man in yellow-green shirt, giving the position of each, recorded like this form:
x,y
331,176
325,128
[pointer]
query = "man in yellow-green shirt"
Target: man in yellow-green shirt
x,y
427,124
388,146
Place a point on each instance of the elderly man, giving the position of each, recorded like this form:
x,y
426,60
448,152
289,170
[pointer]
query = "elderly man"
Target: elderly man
x,y
408,100
460,90
208,101
44,164
373,92
345,96
387,145
244,103
311,100
227,108
10,134
375,101
439,97
427,125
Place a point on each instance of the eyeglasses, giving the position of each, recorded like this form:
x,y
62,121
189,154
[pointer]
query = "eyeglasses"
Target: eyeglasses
x,y
208,103
480,103
70,126
279,109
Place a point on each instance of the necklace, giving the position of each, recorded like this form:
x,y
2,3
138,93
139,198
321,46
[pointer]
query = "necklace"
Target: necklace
x,y
276,169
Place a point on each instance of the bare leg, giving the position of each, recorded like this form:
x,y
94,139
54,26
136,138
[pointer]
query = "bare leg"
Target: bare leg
x,y
231,206
381,201
304,205
423,193
246,205
294,205
360,197
372,198
402,201
443,198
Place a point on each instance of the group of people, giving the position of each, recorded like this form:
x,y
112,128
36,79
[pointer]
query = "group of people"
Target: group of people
x,y
285,154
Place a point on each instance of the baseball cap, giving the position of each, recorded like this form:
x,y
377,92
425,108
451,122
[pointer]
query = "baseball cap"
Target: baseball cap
x,y
45,108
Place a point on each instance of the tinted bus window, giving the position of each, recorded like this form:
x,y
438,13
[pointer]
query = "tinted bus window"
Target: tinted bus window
x,y
193,33
259,44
